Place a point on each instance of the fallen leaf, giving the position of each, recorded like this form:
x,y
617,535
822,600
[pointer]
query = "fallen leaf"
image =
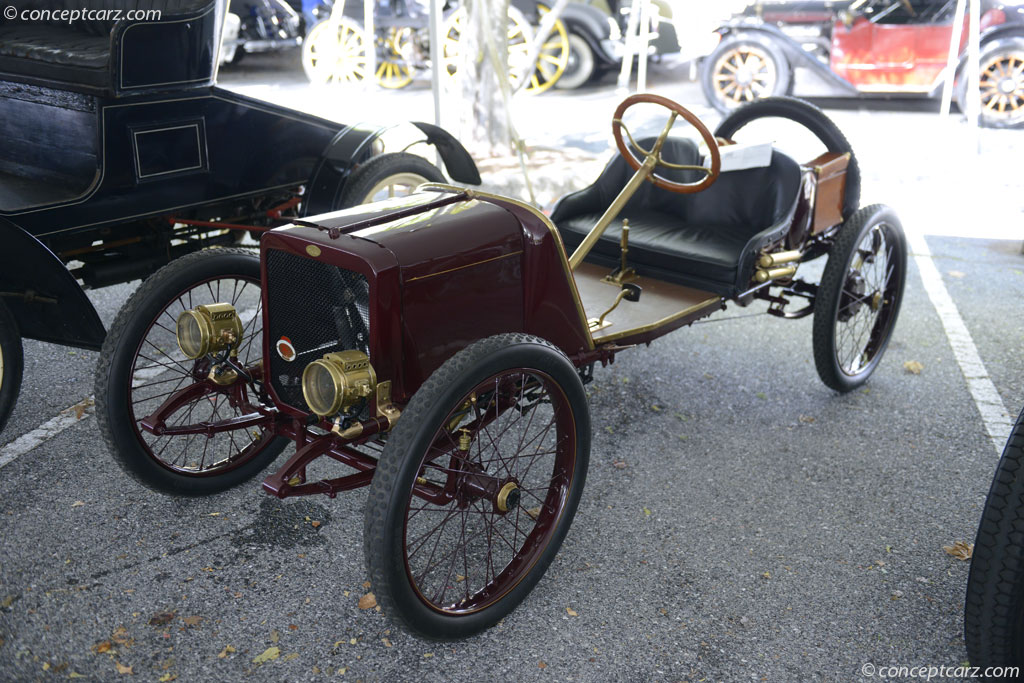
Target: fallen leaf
x,y
80,408
120,636
46,666
293,627
78,504
366,584
541,665
100,648
761,395
269,655
655,407
428,654
387,643
315,524
534,512
161,618
619,464
75,674
214,514
275,636
459,578
352,641
571,612
913,367
806,419
225,652
647,512
192,621
122,669
767,575
960,550
290,656
368,601
342,670
168,677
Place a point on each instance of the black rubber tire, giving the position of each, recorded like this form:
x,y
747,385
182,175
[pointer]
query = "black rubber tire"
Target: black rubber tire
x,y
582,64
831,290
380,168
11,363
813,119
118,356
1002,47
783,72
400,464
994,610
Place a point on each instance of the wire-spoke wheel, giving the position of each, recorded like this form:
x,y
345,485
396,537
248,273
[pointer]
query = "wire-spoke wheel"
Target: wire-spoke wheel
x,y
10,363
477,486
394,52
335,52
859,297
741,71
141,368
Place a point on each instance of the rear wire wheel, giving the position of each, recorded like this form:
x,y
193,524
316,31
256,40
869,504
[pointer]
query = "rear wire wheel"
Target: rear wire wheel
x,y
141,366
859,297
337,56
477,486
11,363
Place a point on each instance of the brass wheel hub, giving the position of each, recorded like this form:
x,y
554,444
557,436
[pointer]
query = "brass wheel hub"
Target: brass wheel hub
x,y
876,301
508,497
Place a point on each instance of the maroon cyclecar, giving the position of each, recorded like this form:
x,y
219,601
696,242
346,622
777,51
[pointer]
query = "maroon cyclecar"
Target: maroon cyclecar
x,y
438,344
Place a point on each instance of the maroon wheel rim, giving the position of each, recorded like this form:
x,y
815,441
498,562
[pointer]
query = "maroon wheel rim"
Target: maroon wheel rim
x,y
462,551
159,369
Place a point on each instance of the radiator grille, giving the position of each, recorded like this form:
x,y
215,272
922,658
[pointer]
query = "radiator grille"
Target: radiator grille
x,y
318,308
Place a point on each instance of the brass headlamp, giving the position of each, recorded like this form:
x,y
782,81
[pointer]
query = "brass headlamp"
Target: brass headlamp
x,y
337,382
208,329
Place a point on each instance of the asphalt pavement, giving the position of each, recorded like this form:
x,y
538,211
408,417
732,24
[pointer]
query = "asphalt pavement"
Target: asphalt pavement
x,y
762,528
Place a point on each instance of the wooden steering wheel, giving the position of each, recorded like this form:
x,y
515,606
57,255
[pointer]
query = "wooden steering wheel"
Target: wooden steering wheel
x,y
711,174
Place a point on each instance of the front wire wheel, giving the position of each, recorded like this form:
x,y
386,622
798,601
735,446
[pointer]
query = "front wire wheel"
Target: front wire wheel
x,y
859,297
141,367
335,56
477,486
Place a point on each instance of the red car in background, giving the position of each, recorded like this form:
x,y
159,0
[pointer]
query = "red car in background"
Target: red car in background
x,y
867,47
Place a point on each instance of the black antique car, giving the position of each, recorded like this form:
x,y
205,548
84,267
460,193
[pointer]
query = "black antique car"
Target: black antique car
x,y
437,345
119,154
867,47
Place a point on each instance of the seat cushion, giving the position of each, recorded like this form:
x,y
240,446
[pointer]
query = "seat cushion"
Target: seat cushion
x,y
708,240
55,53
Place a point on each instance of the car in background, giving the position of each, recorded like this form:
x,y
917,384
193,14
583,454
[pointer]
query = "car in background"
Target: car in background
x,y
887,47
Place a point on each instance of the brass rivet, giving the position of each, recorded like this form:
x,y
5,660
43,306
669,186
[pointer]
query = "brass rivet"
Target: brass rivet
x,y
313,250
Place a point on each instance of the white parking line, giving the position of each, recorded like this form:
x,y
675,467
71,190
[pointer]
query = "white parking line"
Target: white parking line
x,y
83,409
993,413
46,431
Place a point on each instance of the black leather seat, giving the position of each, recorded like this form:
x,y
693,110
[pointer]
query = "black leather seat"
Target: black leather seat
x,y
708,240
74,53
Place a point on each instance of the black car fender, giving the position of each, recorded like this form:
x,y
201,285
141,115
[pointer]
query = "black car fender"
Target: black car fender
x,y
773,36
591,24
354,145
44,298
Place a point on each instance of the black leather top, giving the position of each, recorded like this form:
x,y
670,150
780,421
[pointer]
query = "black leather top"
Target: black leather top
x,y
708,240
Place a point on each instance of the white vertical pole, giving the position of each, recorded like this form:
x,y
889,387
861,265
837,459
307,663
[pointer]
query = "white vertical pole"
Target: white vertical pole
x,y
643,41
436,8
630,46
370,41
954,57
973,67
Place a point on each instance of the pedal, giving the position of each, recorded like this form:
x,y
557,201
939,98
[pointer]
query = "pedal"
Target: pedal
x,y
629,292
